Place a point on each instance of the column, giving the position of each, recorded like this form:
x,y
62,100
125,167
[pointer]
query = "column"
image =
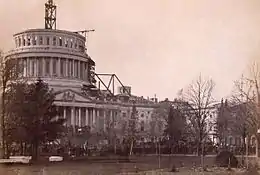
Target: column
x,y
27,67
97,118
38,39
94,116
79,116
72,116
104,119
43,66
58,68
78,70
31,66
73,70
51,70
64,112
87,122
66,68
111,115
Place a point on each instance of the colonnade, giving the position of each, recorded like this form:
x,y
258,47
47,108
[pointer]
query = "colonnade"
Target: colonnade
x,y
94,117
54,67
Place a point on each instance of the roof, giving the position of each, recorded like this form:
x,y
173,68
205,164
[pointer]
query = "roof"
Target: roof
x,y
52,31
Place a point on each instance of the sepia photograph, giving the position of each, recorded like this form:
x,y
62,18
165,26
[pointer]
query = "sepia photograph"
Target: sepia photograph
x,y
129,87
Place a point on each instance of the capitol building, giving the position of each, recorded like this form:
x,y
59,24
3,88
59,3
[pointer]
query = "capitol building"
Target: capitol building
x,y
60,58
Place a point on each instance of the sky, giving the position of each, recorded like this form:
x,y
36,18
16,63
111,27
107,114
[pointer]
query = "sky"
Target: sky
x,y
154,46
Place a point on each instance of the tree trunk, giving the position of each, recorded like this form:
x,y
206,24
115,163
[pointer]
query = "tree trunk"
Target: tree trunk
x,y
202,154
131,147
257,146
21,148
247,146
199,148
3,151
35,151
115,145
243,150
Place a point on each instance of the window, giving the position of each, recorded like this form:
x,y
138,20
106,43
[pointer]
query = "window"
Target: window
x,y
142,115
142,125
28,40
54,41
40,40
16,42
19,42
76,45
34,39
81,47
24,41
60,41
47,66
48,40
40,67
54,66
124,114
66,43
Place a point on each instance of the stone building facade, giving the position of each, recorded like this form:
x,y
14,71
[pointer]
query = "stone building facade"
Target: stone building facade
x,y
59,58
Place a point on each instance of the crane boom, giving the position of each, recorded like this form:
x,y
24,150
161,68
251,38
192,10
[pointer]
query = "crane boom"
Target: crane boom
x,y
84,32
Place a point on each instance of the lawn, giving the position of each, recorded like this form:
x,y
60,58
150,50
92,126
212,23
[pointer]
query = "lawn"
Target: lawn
x,y
140,164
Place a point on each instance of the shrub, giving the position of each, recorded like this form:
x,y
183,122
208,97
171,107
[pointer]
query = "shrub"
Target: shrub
x,y
224,158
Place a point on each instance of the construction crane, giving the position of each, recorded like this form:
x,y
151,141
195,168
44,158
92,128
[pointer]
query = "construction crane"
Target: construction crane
x,y
84,33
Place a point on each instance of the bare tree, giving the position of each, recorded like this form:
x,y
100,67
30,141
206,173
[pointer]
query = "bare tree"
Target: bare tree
x,y
247,97
200,99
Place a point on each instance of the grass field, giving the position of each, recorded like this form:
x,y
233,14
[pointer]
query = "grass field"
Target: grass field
x,y
104,167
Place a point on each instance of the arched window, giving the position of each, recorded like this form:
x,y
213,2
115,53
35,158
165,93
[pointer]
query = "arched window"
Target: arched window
x,y
66,42
48,40
19,41
34,39
28,40
60,41
24,41
54,41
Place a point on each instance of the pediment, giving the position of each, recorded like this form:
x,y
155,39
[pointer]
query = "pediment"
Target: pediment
x,y
71,96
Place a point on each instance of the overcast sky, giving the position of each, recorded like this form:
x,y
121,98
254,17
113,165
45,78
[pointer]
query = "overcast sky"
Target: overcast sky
x,y
155,46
